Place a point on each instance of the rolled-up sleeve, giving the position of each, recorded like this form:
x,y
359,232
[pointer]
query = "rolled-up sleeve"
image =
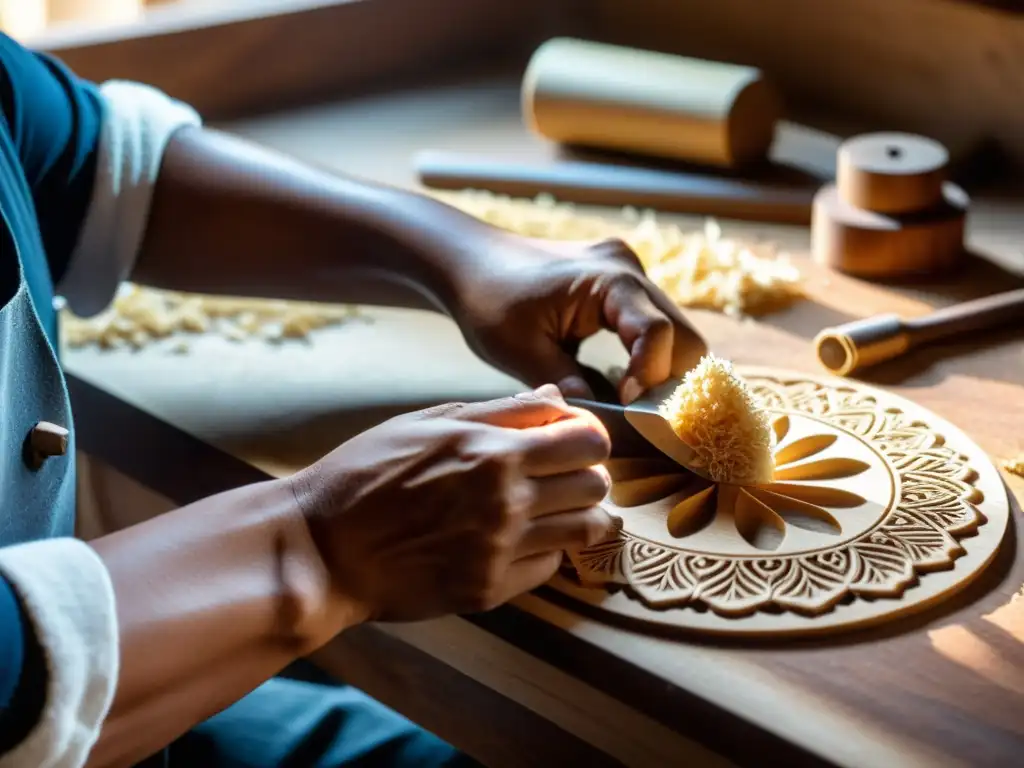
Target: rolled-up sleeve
x,y
91,155
138,123
67,602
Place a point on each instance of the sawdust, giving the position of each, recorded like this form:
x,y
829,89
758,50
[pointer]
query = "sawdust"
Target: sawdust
x,y
1015,466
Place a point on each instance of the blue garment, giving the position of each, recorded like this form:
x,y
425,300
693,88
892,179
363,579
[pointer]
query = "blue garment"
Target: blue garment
x,y
12,645
49,134
39,502
22,671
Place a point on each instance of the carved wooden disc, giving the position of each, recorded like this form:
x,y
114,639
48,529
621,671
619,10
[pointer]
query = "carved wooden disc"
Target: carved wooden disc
x,y
878,508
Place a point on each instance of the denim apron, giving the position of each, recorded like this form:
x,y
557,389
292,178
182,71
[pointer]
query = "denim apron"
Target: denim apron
x,y
35,503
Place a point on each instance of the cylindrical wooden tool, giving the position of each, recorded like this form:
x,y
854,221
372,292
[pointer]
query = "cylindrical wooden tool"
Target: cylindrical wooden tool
x,y
618,185
891,212
591,94
863,343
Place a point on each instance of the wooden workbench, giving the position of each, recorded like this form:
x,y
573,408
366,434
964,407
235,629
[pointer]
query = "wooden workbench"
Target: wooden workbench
x,y
536,683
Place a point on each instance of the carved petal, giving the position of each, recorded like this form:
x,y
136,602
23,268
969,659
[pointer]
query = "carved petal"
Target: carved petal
x,y
882,569
815,494
802,448
809,588
927,546
781,428
668,582
646,490
692,513
823,469
757,523
810,517
736,589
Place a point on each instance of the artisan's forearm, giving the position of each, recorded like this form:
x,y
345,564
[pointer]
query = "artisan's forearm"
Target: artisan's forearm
x,y
212,599
231,217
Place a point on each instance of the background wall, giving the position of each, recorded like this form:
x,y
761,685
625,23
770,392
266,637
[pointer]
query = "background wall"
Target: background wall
x,y
953,70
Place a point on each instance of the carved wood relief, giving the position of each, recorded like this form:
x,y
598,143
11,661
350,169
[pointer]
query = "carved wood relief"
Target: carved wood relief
x,y
873,510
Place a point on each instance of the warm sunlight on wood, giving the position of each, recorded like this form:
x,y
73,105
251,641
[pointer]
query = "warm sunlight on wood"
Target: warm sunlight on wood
x,y
962,647
1010,617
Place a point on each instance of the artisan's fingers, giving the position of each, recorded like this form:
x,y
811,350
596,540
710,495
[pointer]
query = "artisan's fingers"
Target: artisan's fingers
x,y
529,573
688,346
542,406
645,330
571,444
572,490
565,531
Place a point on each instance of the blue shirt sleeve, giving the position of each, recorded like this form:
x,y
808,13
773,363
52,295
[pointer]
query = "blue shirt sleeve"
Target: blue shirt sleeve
x,y
23,674
55,119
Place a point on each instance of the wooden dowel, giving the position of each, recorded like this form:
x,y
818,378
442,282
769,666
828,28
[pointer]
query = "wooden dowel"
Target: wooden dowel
x,y
863,343
589,183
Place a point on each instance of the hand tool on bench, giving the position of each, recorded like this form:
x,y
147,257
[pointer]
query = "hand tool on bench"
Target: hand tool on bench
x,y
592,183
862,343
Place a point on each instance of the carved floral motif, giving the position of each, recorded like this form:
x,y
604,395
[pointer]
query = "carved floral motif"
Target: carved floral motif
x,y
932,504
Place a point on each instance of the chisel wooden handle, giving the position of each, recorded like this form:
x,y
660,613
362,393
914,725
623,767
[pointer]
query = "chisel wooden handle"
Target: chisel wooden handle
x,y
588,183
862,343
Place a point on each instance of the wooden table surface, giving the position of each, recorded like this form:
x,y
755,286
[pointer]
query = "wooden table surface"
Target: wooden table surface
x,y
942,688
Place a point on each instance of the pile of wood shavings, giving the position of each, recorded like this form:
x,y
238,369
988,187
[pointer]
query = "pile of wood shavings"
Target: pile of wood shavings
x,y
139,316
699,269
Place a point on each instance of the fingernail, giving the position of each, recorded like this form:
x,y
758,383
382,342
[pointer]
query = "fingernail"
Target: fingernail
x,y
548,390
631,390
574,386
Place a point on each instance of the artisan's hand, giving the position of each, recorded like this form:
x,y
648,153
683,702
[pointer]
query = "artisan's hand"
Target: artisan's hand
x,y
457,508
224,211
526,305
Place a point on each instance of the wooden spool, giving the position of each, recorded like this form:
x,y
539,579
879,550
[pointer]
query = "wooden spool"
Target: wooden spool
x,y
891,172
891,212
594,95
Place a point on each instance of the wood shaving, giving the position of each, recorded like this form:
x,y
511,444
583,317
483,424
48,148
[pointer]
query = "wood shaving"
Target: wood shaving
x,y
140,316
698,269
1015,466
714,413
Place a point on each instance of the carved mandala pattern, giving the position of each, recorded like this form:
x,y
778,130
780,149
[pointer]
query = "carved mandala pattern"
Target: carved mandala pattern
x,y
931,503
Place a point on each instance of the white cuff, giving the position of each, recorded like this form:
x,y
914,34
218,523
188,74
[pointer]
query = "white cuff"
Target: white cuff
x,y
69,599
138,123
